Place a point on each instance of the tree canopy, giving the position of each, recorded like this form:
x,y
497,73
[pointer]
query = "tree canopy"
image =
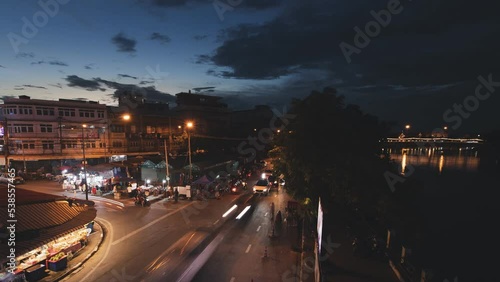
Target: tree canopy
x,y
331,150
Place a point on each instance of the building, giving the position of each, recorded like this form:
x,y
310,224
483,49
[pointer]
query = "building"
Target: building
x,y
45,130
39,133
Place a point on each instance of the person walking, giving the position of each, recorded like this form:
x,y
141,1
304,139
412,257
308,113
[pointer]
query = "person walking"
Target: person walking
x,y
176,194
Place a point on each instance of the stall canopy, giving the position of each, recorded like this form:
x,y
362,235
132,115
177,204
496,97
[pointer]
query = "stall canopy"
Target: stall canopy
x,y
193,167
162,164
102,167
202,180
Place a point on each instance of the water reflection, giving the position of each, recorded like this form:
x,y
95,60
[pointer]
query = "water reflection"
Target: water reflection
x,y
437,159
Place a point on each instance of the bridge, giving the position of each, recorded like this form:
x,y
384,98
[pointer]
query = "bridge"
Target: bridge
x,y
432,142
436,140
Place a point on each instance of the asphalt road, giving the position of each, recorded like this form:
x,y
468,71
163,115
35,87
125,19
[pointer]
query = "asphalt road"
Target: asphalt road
x,y
146,243
249,252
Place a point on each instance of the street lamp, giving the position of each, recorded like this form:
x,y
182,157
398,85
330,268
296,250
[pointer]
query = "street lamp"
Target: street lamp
x,y
85,163
188,126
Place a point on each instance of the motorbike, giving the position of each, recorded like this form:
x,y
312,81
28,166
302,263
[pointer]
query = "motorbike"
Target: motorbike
x,y
141,200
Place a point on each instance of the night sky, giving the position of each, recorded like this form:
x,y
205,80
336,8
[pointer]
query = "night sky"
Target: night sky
x,y
415,62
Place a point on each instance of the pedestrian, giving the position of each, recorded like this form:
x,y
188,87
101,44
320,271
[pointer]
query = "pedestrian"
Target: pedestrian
x,y
176,194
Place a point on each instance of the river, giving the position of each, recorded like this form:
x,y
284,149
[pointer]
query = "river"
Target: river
x,y
459,196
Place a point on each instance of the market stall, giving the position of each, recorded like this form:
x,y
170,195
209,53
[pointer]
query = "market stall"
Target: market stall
x,y
30,263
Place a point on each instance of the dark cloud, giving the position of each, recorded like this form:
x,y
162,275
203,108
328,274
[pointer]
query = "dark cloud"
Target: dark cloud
x,y
53,62
78,82
123,43
423,44
18,88
149,92
89,66
200,37
163,39
58,85
251,4
146,82
204,89
34,86
2,66
30,55
127,76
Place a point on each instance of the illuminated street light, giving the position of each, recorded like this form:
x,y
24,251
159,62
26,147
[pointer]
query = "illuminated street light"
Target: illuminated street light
x,y
85,163
189,125
407,126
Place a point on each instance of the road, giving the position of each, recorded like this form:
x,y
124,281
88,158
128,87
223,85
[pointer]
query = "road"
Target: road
x,y
249,252
146,243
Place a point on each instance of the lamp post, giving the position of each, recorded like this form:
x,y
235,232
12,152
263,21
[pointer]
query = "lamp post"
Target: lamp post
x,y
85,163
166,165
188,126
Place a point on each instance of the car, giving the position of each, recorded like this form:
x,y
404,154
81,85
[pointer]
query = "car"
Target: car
x,y
267,173
262,187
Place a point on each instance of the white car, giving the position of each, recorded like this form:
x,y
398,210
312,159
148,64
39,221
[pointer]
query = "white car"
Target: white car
x,y
262,187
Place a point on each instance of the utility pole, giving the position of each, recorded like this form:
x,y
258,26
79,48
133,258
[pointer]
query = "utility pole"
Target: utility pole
x,y
85,164
6,144
166,163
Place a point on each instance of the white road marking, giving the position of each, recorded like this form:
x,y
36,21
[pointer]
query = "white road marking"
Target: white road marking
x,y
265,214
148,225
248,249
232,279
258,228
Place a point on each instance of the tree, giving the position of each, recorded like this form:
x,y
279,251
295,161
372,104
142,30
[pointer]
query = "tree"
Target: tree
x,y
331,150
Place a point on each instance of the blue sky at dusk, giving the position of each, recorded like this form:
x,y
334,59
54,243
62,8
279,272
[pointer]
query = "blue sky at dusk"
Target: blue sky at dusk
x,y
414,68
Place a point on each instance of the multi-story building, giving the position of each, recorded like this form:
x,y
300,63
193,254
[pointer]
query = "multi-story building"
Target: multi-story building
x,y
45,130
48,131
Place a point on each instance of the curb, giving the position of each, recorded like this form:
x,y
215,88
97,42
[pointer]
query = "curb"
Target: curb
x,y
77,267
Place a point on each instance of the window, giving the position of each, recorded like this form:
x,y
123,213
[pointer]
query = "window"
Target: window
x,y
117,144
64,112
10,110
45,127
44,111
134,144
25,110
100,114
25,145
48,145
87,113
117,128
69,145
21,128
102,145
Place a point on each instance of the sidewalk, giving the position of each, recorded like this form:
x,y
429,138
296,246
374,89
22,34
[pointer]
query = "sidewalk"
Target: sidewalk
x,y
339,263
81,256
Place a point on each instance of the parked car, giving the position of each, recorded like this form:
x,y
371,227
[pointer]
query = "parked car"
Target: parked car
x,y
262,187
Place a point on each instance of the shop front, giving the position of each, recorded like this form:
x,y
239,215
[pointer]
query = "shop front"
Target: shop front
x,y
44,243
52,256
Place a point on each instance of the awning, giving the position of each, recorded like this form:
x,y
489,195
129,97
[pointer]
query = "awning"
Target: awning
x,y
43,236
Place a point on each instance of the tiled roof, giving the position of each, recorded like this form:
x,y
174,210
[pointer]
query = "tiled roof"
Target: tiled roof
x,y
42,215
41,219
